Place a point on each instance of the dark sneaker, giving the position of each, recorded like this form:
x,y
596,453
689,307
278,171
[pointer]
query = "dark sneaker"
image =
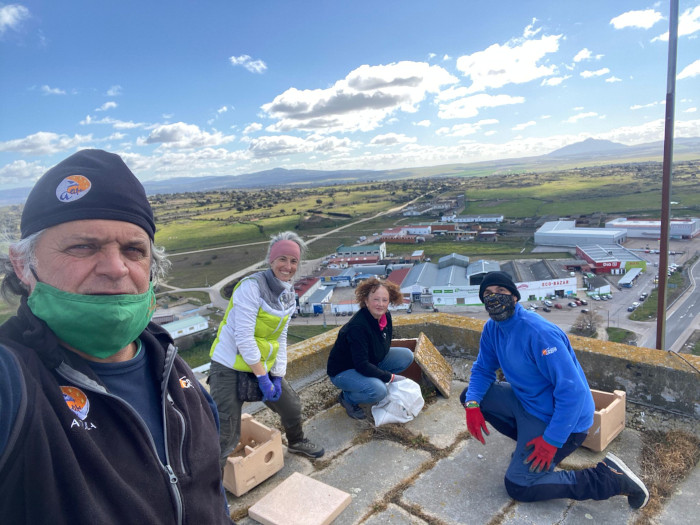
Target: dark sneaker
x,y
307,448
354,411
630,485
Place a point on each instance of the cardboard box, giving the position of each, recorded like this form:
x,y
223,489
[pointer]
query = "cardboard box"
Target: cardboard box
x,y
608,419
257,457
429,368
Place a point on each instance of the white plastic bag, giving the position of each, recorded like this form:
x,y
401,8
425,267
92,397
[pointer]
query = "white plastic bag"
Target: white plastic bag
x,y
403,402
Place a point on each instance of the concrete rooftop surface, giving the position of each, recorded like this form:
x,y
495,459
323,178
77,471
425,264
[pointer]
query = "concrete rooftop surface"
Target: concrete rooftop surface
x,y
430,471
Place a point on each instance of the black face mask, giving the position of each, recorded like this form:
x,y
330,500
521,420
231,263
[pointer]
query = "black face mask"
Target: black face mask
x,y
500,306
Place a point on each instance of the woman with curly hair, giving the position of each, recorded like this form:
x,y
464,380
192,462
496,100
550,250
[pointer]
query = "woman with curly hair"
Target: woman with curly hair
x,y
362,361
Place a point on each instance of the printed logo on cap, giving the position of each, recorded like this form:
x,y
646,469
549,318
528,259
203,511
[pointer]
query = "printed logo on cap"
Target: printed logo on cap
x,y
73,188
76,400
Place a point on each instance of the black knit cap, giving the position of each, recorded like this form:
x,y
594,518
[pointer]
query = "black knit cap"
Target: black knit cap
x,y
498,279
90,184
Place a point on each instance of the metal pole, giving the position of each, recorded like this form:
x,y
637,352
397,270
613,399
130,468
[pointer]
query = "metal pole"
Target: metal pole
x,y
666,180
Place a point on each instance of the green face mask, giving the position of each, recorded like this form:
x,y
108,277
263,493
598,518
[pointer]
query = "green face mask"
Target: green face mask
x,y
98,325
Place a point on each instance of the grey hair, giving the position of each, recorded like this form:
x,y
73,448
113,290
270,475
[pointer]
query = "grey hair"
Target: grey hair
x,y
24,251
286,236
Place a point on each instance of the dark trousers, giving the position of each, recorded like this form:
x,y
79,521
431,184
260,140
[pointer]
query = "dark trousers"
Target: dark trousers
x,y
506,414
223,387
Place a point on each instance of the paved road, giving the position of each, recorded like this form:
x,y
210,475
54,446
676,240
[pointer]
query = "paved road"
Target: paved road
x,y
214,290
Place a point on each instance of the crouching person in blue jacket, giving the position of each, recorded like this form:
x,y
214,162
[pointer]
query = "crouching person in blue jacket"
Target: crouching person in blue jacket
x,y
545,406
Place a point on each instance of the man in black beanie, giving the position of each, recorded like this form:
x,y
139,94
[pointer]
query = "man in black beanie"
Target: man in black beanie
x,y
100,417
545,404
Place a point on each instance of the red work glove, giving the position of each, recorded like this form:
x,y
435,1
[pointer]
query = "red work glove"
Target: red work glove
x,y
476,422
542,454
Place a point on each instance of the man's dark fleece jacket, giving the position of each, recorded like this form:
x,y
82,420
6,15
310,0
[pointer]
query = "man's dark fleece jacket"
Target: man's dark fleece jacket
x,y
361,345
71,452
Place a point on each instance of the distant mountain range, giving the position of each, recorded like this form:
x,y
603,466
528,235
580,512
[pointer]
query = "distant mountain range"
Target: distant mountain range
x,y
589,152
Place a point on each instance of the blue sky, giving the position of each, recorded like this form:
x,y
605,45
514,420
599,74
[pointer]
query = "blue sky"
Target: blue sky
x,y
225,87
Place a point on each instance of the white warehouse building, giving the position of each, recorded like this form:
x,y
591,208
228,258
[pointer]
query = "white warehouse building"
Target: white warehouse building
x,y
565,233
678,228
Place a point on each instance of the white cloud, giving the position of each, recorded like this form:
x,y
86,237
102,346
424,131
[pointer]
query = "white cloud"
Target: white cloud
x,y
554,81
649,105
46,90
254,66
272,146
522,126
114,91
642,19
690,71
21,173
181,135
579,116
688,23
446,57
584,54
422,123
651,131
529,32
252,128
613,79
469,107
45,143
222,109
360,101
106,106
12,16
515,62
690,110
463,130
452,93
389,139
597,73
116,124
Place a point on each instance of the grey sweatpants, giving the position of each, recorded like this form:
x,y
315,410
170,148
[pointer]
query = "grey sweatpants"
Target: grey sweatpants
x,y
223,383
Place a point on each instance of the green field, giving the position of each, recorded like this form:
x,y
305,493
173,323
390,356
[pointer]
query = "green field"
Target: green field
x,y
235,226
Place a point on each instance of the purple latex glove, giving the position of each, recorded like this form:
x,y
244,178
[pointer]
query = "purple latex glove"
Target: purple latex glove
x,y
277,383
266,387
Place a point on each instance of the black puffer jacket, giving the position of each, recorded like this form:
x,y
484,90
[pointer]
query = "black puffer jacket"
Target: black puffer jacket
x,y
78,454
361,345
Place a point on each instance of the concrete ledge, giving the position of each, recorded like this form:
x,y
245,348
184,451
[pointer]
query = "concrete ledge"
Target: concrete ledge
x,y
653,377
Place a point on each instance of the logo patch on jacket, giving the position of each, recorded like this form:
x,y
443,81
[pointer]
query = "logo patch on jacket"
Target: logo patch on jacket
x,y
549,351
77,401
79,404
185,382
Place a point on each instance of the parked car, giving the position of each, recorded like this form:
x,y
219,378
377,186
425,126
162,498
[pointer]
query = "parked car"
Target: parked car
x,y
631,308
584,302
547,303
642,298
584,310
635,304
557,306
546,309
595,297
578,302
572,304
645,294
